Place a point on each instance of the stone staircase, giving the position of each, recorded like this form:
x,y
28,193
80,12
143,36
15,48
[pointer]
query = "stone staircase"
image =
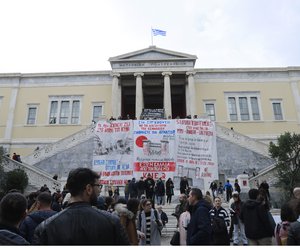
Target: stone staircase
x,y
36,177
242,140
171,226
59,146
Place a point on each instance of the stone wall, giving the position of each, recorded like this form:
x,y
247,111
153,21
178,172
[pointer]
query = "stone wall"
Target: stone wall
x,y
232,159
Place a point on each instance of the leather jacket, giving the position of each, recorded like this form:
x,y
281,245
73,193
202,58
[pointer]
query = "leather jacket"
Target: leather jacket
x,y
81,224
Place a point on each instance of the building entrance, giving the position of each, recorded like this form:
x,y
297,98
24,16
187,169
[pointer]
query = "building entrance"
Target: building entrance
x,y
153,95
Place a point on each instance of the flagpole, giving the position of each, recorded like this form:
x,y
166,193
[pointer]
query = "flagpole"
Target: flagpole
x,y
151,37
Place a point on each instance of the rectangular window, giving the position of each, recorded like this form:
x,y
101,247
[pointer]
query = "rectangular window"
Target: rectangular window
x,y
232,109
53,112
247,108
97,112
255,108
64,112
244,111
75,112
65,109
277,111
210,111
31,118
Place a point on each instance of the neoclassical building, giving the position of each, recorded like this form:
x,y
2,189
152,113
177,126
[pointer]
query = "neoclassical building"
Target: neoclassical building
x,y
41,108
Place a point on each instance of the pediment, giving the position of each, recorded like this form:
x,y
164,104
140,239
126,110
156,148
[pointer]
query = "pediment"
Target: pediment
x,y
152,54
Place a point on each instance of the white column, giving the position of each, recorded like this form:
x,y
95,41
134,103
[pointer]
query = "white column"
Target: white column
x,y
115,101
167,94
296,95
187,100
139,97
191,94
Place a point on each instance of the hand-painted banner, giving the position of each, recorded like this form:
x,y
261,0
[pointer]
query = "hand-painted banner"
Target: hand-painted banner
x,y
196,150
154,144
163,148
113,151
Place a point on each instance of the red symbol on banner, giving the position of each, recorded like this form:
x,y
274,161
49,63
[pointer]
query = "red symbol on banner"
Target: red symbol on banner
x,y
139,140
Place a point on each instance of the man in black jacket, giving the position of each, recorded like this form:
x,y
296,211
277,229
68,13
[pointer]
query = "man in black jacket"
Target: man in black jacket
x,y
80,223
12,212
199,231
256,219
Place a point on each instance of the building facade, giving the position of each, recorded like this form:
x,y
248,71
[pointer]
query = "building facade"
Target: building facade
x,y
41,108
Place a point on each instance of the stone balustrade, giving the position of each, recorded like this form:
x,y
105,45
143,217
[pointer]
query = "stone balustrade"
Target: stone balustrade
x,y
242,140
59,146
36,177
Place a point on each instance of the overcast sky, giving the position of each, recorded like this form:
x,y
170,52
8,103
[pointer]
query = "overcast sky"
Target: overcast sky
x,y
70,35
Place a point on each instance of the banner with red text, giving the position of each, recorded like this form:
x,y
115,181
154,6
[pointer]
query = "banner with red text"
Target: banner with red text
x,y
154,148
196,151
113,151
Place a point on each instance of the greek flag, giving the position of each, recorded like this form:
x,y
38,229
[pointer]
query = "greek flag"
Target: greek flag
x,y
157,32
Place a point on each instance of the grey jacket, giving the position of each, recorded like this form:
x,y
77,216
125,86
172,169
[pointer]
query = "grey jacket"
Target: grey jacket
x,y
155,234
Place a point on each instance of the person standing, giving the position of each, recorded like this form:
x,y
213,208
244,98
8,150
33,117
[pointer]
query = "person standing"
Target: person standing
x,y
127,213
169,190
199,231
238,226
141,187
220,222
33,219
80,223
228,189
184,185
133,191
183,223
149,224
126,190
214,187
254,215
237,187
149,185
159,191
12,211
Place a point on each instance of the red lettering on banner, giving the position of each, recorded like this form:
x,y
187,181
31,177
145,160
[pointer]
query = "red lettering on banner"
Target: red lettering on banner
x,y
154,166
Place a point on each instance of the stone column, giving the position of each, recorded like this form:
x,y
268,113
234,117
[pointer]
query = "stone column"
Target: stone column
x,y
139,97
115,95
191,94
167,94
187,100
295,91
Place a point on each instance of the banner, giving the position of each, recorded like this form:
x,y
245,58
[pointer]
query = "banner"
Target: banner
x,y
196,151
113,151
154,144
163,148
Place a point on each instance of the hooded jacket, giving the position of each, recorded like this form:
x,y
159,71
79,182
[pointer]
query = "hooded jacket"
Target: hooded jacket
x,y
199,231
127,219
32,220
255,217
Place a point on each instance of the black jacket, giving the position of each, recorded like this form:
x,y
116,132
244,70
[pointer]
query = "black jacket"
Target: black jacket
x,y
32,220
199,231
11,236
255,217
294,234
81,224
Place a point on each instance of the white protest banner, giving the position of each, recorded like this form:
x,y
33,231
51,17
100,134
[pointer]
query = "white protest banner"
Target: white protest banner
x,y
113,151
196,151
154,144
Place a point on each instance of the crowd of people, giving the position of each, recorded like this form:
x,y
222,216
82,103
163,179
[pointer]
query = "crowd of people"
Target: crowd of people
x,y
80,215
